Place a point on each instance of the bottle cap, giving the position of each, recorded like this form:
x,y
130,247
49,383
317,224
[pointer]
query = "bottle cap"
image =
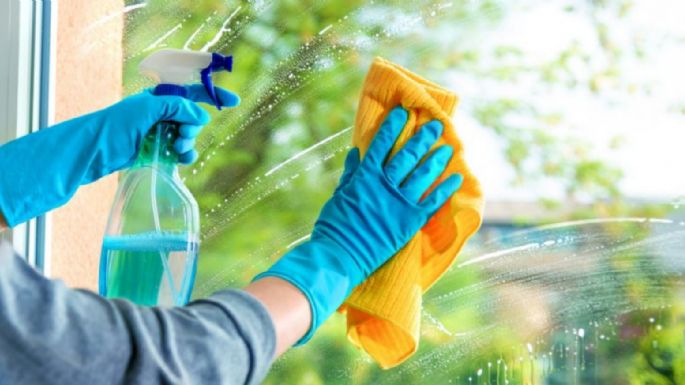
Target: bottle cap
x,y
173,68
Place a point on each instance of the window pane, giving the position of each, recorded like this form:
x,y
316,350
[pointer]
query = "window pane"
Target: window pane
x,y
571,116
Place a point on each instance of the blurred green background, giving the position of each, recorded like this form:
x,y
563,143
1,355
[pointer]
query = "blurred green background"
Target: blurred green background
x,y
585,302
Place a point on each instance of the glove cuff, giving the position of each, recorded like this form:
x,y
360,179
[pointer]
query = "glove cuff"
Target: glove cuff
x,y
323,273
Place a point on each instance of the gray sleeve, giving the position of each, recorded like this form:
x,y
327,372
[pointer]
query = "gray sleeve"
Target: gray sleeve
x,y
50,334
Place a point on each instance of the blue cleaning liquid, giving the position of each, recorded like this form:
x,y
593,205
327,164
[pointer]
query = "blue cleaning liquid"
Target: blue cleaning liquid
x,y
149,268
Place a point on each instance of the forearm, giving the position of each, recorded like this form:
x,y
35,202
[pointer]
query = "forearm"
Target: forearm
x,y
77,337
288,307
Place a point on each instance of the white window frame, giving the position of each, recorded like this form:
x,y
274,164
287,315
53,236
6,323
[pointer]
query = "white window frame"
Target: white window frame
x,y
26,102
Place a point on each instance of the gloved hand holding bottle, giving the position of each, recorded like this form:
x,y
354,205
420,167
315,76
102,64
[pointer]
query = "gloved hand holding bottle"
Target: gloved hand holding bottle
x,y
56,161
374,212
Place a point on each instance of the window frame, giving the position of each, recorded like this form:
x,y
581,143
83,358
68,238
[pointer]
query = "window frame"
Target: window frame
x,y
26,102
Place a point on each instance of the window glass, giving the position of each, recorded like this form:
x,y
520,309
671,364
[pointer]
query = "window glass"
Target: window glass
x,y
572,116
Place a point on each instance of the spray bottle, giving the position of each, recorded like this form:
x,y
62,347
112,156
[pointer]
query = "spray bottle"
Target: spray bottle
x,y
149,253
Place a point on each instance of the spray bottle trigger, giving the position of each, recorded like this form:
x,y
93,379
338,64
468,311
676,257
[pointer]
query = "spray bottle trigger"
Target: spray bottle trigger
x,y
170,89
218,63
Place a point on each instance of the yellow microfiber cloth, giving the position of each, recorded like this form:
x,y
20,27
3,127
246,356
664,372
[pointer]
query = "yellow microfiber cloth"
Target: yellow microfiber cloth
x,y
384,313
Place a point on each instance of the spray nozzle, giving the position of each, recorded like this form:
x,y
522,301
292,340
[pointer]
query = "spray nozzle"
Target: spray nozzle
x,y
218,63
173,68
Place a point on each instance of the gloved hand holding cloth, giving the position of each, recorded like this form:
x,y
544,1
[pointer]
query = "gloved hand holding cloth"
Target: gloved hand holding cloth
x,y
396,197
353,235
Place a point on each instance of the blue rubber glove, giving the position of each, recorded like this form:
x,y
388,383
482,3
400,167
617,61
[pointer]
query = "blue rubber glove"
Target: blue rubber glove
x,y
43,170
374,212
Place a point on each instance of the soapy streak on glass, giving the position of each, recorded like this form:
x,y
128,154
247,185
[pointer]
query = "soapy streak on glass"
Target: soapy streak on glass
x,y
274,179
304,64
597,295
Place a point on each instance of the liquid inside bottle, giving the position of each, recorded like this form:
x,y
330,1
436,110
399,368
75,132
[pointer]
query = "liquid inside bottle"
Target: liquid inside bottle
x,y
149,253
149,269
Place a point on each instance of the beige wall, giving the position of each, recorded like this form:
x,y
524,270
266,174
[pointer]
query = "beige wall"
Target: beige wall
x,y
88,77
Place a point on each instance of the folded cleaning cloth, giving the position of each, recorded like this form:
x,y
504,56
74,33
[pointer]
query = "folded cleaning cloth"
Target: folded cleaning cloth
x,y
384,313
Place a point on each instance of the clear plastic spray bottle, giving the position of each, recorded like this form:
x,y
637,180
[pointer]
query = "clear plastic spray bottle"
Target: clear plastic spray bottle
x,y
149,253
